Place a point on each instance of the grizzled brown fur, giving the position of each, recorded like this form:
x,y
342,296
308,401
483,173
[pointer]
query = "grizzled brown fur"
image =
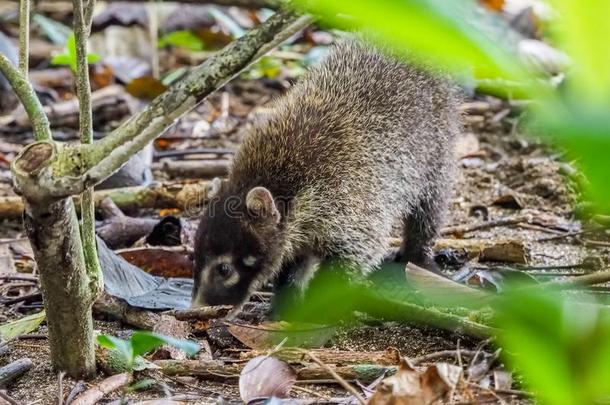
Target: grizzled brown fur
x,y
361,142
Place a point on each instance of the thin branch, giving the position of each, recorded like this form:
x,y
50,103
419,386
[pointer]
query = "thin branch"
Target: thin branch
x,y
24,36
82,20
88,15
25,92
110,153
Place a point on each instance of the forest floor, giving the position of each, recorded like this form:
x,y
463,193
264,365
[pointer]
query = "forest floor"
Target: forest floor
x,y
501,174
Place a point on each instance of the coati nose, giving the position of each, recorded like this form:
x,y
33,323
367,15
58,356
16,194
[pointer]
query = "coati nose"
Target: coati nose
x,y
224,270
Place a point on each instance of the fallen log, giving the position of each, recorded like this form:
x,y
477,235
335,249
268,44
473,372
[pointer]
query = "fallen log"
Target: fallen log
x,y
188,197
218,370
493,250
119,230
390,357
194,169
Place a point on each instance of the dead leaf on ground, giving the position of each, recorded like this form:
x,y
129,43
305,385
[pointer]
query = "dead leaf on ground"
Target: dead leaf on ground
x,y
411,387
160,262
264,377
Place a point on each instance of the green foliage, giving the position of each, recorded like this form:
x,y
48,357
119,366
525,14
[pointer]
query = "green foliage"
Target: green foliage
x,y
142,342
560,344
68,57
182,39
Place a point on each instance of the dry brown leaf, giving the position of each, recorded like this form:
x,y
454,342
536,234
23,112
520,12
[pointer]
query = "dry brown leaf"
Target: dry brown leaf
x,y
159,262
411,387
266,376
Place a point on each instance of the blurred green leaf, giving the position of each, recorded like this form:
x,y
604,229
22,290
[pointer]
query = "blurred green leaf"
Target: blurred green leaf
x,y
585,133
27,324
68,57
183,39
143,342
583,30
123,347
562,346
61,59
435,31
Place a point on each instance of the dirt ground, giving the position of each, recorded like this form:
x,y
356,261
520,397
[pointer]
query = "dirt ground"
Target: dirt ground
x,y
501,173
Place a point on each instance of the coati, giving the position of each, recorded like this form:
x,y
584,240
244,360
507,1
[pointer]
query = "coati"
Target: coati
x,y
362,141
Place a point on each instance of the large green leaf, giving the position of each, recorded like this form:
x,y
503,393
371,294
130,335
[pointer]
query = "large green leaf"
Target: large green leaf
x,y
21,326
560,344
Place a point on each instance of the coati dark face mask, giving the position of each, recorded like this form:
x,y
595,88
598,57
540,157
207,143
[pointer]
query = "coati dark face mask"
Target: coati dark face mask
x,y
236,246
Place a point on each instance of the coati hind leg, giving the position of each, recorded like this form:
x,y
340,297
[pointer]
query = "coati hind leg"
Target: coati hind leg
x,y
421,226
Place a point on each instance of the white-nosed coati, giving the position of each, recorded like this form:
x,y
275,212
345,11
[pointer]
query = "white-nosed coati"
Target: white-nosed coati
x,y
362,141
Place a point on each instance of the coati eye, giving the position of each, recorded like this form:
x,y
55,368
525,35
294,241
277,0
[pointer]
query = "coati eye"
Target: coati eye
x,y
224,270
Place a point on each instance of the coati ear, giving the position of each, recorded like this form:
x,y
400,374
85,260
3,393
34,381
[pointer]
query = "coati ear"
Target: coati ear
x,y
260,204
215,187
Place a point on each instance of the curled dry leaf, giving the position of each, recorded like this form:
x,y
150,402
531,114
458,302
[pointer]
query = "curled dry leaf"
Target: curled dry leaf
x,y
411,387
265,376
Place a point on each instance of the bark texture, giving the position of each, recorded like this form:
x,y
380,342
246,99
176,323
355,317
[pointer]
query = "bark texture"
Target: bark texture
x,y
67,289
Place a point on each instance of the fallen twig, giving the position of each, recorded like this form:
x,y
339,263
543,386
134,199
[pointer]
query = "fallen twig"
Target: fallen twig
x,y
194,151
188,197
14,370
195,169
106,386
459,230
441,354
202,313
388,357
599,277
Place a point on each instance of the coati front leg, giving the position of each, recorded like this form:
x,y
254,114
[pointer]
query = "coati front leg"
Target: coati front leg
x,y
291,283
